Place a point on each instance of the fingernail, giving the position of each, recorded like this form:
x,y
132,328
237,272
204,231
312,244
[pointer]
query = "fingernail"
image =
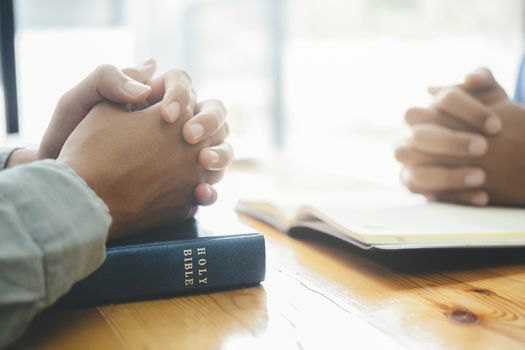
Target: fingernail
x,y
213,157
173,111
474,178
196,131
478,146
479,199
493,124
134,88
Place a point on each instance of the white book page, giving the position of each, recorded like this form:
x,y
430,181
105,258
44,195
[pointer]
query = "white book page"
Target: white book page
x,y
410,219
376,214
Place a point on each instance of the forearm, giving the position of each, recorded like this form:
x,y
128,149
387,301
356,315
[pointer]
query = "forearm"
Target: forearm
x,y
53,230
21,156
10,157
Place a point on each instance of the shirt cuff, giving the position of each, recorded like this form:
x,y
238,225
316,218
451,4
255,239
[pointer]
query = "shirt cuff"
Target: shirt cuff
x,y
65,218
5,153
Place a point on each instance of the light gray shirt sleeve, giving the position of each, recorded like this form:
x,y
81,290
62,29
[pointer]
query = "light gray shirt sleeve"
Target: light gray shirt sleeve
x,y
53,229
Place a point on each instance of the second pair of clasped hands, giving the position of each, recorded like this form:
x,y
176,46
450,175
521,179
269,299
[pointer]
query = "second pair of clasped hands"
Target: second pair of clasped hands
x,y
145,145
468,146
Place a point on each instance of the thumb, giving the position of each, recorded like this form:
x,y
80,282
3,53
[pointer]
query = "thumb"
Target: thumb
x,y
143,73
105,83
475,81
109,83
479,79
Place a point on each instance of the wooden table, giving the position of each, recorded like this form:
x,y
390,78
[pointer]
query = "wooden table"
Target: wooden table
x,y
319,293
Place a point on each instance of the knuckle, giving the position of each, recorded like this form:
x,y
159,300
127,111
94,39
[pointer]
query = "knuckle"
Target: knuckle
x,y
411,186
65,99
221,135
453,198
448,97
216,106
179,74
185,116
230,154
215,177
401,154
418,136
416,180
222,107
185,75
458,198
193,96
412,114
180,93
211,122
105,69
132,72
481,117
226,132
453,179
226,152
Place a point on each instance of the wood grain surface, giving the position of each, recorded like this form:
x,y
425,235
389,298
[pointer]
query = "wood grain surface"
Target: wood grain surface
x,y
320,293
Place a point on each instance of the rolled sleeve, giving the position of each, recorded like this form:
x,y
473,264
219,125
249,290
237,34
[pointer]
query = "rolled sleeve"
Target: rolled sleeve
x,y
53,229
5,153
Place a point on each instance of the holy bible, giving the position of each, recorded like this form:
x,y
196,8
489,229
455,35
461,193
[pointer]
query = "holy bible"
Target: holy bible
x,y
173,261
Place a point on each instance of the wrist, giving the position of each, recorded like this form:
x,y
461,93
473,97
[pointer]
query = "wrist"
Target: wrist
x,y
85,172
98,183
95,183
21,156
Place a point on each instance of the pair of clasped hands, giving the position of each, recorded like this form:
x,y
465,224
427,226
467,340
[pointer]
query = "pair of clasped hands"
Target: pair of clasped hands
x,y
152,152
143,144
468,146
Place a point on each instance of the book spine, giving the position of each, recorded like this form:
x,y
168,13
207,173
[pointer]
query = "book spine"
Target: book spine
x,y
174,267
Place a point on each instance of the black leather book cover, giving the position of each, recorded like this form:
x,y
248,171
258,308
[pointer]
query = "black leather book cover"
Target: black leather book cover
x,y
173,261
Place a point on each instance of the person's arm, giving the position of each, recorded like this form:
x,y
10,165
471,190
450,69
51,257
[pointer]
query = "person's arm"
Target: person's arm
x,y
450,140
5,155
53,230
468,146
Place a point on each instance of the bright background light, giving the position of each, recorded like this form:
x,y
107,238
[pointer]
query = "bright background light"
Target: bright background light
x,y
348,69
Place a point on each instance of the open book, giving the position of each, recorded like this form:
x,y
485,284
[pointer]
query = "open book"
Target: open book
x,y
371,216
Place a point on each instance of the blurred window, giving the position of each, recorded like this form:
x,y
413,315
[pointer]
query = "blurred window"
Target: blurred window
x,y
322,79
351,69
